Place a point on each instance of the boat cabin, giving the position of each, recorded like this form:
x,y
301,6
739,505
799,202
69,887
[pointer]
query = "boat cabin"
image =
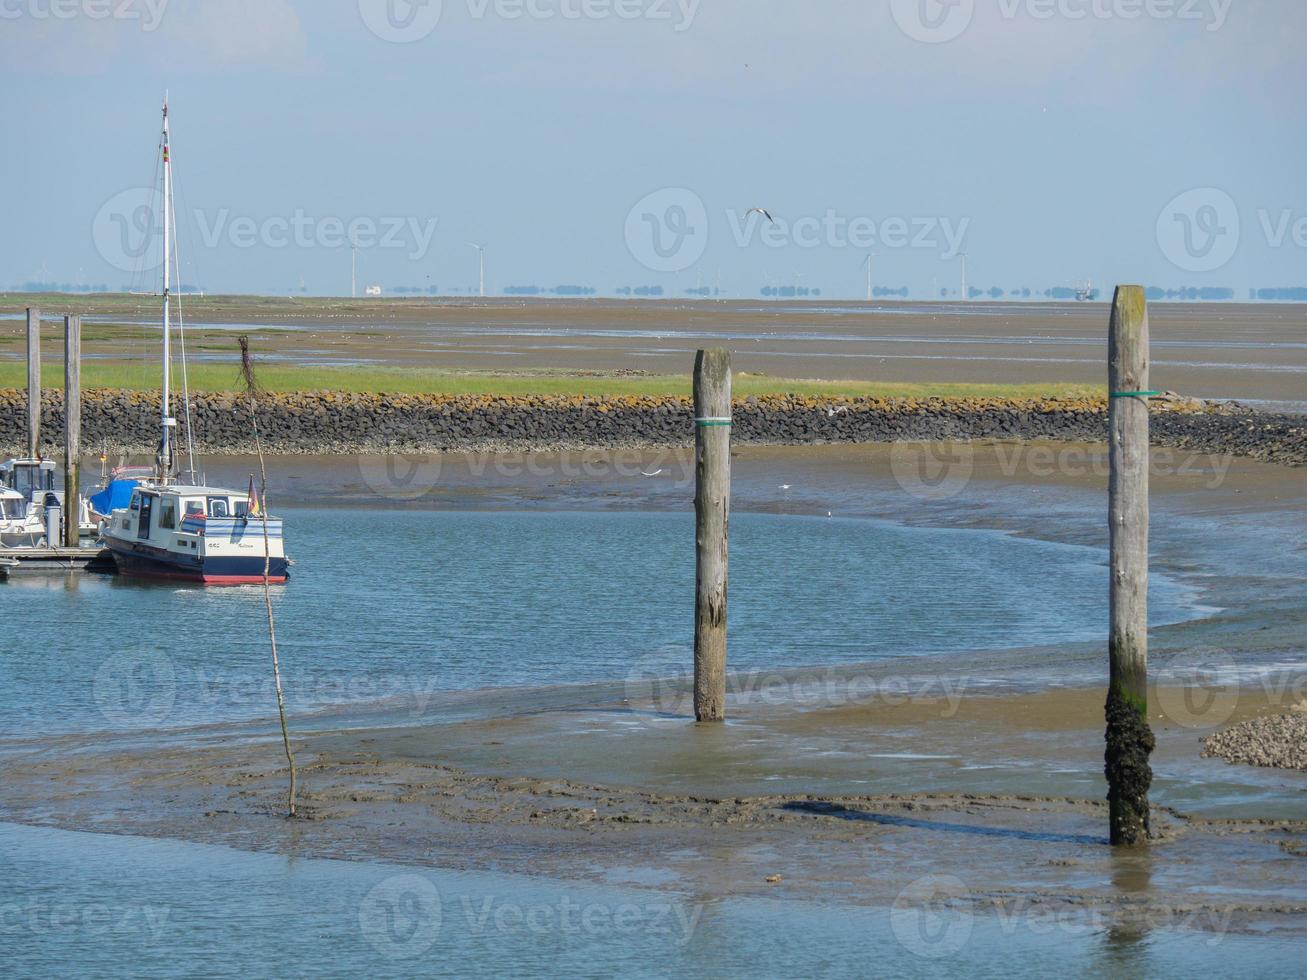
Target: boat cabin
x,y
33,478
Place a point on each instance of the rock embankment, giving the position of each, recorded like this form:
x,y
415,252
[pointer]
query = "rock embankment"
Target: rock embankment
x,y
335,422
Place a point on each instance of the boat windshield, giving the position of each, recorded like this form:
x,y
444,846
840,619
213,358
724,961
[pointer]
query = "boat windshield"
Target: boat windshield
x,y
28,480
12,510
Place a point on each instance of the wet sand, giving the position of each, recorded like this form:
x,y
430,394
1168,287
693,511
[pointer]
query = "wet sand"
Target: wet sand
x,y
850,784
1254,352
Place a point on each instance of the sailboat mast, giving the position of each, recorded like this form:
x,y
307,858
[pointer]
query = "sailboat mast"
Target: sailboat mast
x,y
165,444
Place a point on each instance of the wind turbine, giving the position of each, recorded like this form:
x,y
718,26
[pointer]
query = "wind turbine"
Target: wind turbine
x,y
481,253
867,263
965,295
353,271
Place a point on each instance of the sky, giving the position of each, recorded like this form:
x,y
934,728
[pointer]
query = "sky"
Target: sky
x,y
620,144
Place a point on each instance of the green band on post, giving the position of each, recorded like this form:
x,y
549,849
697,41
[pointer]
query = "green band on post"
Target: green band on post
x,y
709,423
1137,394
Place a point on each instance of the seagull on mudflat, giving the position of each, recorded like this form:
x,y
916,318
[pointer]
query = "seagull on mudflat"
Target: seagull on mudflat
x,y
762,211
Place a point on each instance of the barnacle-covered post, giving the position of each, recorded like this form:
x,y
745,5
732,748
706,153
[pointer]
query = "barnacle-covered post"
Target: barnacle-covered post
x,y
1130,741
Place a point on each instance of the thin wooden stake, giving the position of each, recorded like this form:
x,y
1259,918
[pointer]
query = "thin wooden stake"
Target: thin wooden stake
x,y
72,430
1129,739
712,505
251,390
33,382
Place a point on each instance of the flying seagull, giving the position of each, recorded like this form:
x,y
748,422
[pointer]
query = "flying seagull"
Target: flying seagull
x,y
762,211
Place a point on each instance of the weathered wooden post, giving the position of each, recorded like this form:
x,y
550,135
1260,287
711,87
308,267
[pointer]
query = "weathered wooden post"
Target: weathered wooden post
x,y
1129,739
72,429
712,506
33,381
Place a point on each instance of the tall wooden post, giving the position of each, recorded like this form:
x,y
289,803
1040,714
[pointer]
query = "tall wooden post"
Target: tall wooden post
x,y
712,506
1129,739
33,381
72,429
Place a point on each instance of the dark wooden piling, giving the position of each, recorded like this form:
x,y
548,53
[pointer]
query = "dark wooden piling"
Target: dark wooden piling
x,y
712,506
1129,739
33,381
72,429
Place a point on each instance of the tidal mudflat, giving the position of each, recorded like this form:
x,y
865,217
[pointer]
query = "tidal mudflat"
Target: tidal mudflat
x,y
885,762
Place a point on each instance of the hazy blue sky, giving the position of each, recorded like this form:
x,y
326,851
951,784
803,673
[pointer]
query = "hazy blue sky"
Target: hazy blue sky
x,y
619,143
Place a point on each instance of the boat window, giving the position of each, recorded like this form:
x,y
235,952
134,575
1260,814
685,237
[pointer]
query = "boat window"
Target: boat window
x,y
136,501
242,508
218,507
195,508
168,513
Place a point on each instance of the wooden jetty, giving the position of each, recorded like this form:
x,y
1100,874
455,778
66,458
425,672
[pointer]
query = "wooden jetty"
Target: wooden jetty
x,y
18,561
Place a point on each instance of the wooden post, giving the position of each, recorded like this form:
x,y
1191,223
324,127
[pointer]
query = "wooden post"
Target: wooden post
x,y
712,506
72,429
33,382
1129,739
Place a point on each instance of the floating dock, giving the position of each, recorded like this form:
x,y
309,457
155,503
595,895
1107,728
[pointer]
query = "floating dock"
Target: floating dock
x,y
17,561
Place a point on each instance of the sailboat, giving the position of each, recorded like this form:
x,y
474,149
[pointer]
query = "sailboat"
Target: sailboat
x,y
185,530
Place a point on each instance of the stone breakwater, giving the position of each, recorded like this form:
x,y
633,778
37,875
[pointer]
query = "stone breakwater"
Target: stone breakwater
x,y
342,423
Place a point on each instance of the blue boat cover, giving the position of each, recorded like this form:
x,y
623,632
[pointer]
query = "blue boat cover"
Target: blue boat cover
x,y
116,496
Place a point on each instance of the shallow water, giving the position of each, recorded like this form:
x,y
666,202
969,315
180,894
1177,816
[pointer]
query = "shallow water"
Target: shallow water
x,y
406,604
82,904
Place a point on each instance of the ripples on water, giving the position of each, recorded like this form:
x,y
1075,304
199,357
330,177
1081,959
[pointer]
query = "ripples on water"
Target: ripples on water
x,y
386,604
